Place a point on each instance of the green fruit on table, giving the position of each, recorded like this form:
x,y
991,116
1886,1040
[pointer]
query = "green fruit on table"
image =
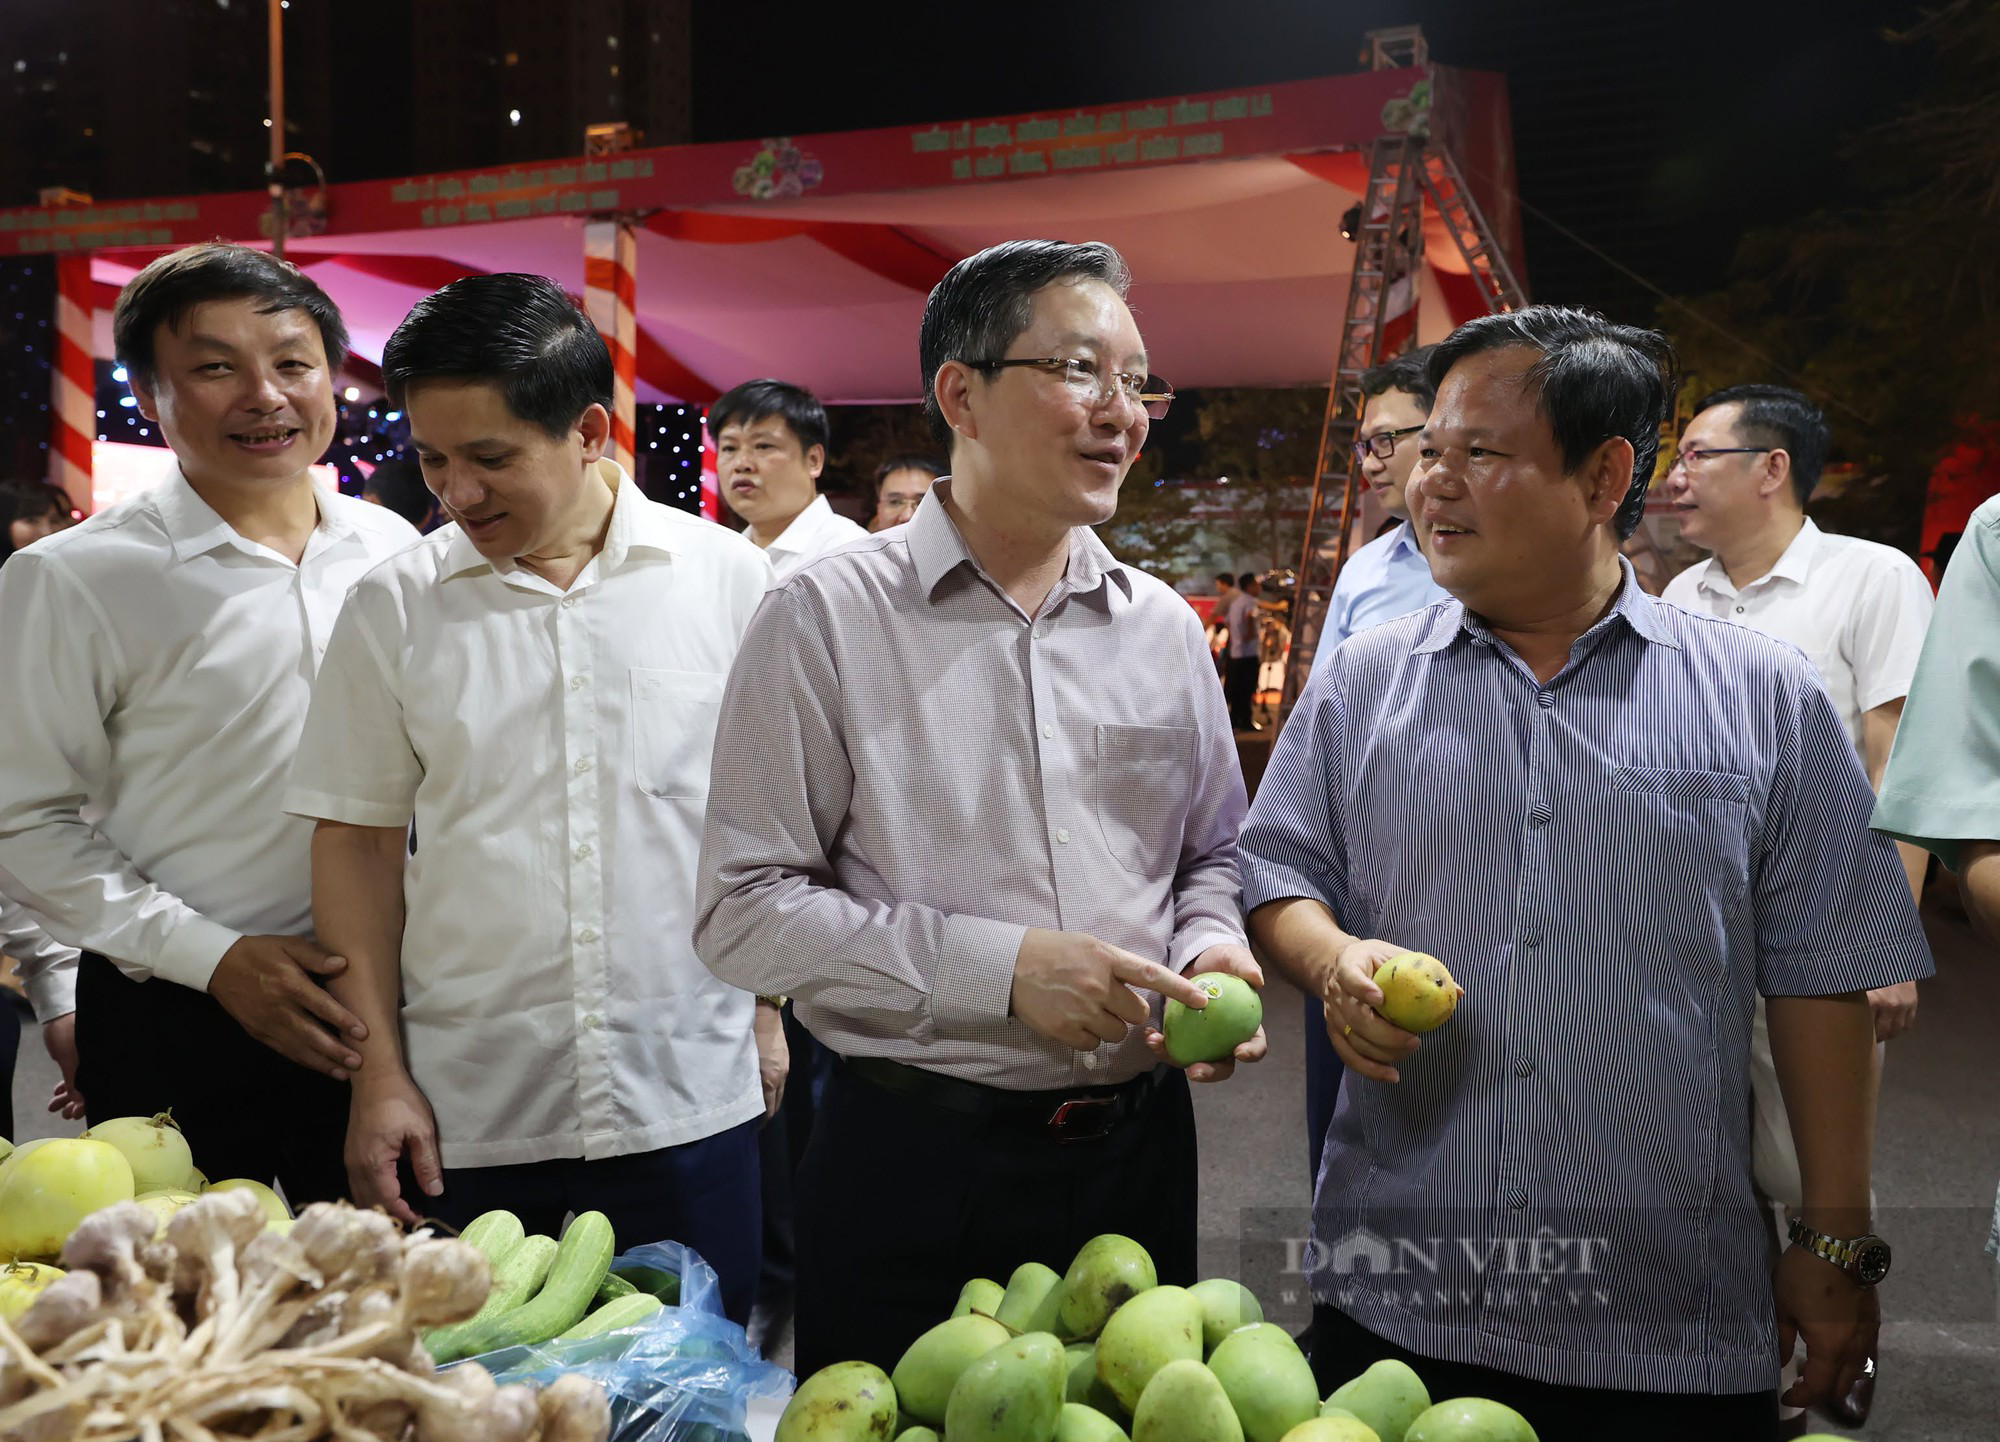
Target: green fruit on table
x,y
1184,1403
1418,994
1156,1327
1389,1396
1470,1419
1012,1394
1232,1016
1267,1380
932,1364
847,1402
981,1295
46,1189
20,1284
1344,1428
917,1434
1086,1424
1033,1300
154,1146
273,1205
1226,1304
1107,1273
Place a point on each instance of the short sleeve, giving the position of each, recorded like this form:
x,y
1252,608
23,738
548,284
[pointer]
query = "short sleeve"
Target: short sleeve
x,y
355,763
1942,786
1886,637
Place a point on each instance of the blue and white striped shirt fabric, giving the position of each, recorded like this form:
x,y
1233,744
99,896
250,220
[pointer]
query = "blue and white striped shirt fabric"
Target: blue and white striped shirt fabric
x,y
1613,865
1386,578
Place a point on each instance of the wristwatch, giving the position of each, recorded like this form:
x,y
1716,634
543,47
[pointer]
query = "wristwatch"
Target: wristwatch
x,y
1864,1258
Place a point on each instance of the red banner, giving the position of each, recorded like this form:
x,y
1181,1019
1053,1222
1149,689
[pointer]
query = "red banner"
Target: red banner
x,y
746,176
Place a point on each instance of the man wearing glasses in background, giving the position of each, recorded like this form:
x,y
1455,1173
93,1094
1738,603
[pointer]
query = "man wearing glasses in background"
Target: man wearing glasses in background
x,y
1385,579
1745,468
974,797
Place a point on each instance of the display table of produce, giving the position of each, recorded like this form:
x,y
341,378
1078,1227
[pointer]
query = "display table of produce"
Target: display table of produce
x,y
182,1311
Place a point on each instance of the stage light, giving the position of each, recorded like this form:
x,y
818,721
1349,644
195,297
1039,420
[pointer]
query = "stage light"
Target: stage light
x,y
1350,222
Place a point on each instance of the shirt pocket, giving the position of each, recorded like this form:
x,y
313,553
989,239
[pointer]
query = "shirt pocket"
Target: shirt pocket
x,y
1143,778
674,715
1684,826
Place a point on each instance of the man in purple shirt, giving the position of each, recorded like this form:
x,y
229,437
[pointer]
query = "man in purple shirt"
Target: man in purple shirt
x,y
974,796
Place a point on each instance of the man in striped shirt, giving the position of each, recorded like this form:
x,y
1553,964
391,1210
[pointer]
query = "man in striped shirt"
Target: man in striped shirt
x,y
1617,823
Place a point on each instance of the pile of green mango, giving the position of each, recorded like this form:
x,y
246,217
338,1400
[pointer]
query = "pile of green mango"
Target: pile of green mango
x,y
1106,1354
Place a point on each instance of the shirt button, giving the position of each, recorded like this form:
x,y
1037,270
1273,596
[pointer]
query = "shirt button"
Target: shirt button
x,y
568,601
593,1021
587,935
576,683
1739,610
1517,1198
1048,728
1545,700
583,852
582,764
1062,835
1090,1060
1524,1066
1540,815
1531,942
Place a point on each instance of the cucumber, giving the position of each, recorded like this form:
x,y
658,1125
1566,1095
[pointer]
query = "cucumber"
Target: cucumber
x,y
574,1277
494,1233
656,1280
612,1288
627,1311
515,1280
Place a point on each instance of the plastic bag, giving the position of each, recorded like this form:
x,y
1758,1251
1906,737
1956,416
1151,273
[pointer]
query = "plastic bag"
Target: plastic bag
x,y
684,1374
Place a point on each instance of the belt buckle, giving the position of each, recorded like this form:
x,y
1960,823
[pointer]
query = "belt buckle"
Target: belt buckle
x,y
1099,1114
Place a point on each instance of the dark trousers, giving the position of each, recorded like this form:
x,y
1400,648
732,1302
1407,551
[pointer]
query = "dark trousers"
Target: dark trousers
x,y
10,1053
782,1146
1342,1349
702,1194
1323,1074
902,1202
1239,687
144,1047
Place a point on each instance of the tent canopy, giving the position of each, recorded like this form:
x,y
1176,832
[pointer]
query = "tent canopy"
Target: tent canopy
x,y
810,257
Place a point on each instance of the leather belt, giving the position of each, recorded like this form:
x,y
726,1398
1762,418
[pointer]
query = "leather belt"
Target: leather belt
x,y
1077,1114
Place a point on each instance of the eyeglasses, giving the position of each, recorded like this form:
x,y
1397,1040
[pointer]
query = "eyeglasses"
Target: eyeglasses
x,y
1382,444
1093,389
1696,459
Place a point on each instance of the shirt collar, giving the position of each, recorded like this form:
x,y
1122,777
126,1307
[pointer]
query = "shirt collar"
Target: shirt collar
x,y
636,525
805,525
1795,565
937,549
1402,540
1633,606
194,528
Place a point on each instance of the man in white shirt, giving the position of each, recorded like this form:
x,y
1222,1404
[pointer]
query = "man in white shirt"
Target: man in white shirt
x,y
537,686
159,662
770,447
1740,480
1239,683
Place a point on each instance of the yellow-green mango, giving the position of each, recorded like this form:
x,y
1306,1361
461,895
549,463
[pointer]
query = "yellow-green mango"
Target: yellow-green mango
x,y
1347,1428
1079,1423
1107,1273
1033,1300
918,1434
1184,1403
931,1366
1470,1419
1226,1304
1156,1327
847,1402
1389,1396
981,1295
1267,1379
1012,1394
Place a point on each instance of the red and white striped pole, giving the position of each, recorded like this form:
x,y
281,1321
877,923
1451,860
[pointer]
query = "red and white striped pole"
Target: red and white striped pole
x,y
74,410
610,291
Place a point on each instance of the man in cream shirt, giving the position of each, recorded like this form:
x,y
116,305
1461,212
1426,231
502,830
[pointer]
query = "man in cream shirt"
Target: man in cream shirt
x,y
770,447
537,685
1740,480
158,663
